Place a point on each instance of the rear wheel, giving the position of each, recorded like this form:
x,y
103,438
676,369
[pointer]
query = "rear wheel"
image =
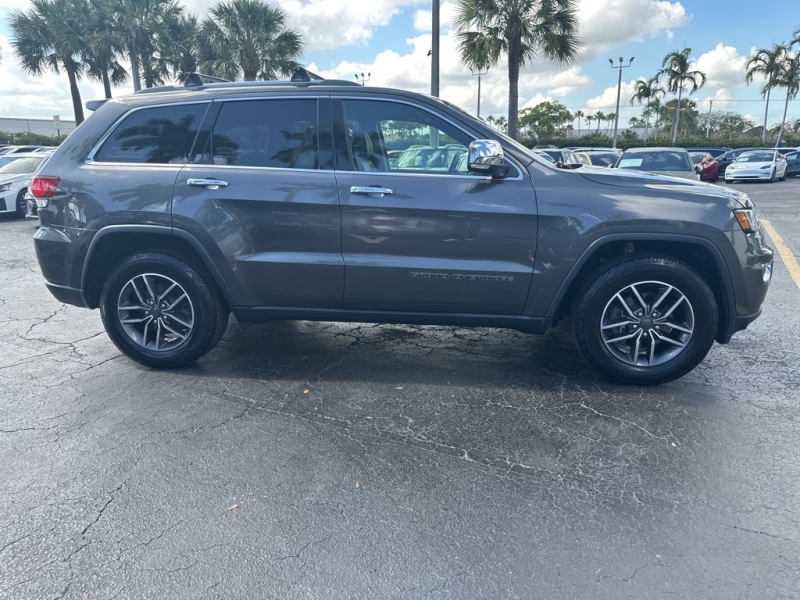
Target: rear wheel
x,y
160,311
646,321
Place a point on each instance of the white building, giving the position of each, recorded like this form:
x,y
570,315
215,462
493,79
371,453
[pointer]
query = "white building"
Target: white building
x,y
41,126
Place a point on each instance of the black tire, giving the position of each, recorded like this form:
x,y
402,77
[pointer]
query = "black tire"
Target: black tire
x,y
209,311
21,208
593,300
784,177
772,178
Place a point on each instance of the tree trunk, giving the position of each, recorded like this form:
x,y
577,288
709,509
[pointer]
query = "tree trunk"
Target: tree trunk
x,y
783,122
106,83
76,95
646,127
250,74
766,116
513,89
677,116
134,56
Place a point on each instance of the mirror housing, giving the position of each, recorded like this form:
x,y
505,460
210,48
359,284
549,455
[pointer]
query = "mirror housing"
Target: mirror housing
x,y
486,157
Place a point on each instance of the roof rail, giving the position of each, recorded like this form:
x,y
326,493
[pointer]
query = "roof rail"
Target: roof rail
x,y
198,79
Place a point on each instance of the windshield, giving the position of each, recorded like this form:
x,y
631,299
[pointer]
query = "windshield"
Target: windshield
x,y
661,160
18,166
604,159
756,157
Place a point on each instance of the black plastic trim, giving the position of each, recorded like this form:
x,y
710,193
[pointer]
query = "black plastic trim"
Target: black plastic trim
x,y
517,322
729,298
158,230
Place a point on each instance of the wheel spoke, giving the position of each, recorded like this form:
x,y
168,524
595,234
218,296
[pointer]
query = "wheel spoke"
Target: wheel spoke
x,y
179,320
171,306
636,348
652,348
132,283
146,330
169,289
158,336
132,307
131,321
663,296
615,325
149,289
669,340
172,331
674,306
674,326
639,298
624,337
627,308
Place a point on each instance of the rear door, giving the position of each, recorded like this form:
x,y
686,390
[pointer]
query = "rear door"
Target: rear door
x,y
422,233
260,192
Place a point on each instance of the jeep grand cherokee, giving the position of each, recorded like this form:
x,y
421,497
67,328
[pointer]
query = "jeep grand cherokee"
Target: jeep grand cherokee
x,y
173,207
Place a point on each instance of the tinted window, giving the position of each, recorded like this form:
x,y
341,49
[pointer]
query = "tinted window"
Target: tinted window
x,y
604,159
163,134
267,133
394,137
756,157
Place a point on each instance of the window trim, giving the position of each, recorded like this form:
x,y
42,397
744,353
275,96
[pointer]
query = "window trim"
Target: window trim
x,y
90,160
477,177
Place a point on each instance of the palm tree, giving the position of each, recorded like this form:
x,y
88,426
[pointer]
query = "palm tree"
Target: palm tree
x,y
589,119
767,64
676,68
523,30
610,117
143,25
647,90
248,38
181,47
579,115
47,37
103,47
599,116
789,78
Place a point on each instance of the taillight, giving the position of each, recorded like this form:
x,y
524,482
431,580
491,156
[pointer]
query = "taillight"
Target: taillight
x,y
44,186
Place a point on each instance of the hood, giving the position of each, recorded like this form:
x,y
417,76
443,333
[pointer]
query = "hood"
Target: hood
x,y
751,165
13,178
628,178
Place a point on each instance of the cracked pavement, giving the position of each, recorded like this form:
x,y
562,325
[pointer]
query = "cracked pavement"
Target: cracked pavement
x,y
490,463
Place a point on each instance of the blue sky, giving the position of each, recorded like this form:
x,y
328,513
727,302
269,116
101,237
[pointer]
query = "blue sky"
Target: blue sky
x,y
390,39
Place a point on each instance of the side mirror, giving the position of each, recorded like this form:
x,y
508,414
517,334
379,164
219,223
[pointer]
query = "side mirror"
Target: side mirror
x,y
486,157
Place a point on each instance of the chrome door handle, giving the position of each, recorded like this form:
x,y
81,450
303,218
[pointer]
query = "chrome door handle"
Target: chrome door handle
x,y
370,190
209,184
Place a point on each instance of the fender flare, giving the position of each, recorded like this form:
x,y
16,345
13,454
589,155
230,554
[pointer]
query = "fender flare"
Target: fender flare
x,y
726,328
157,230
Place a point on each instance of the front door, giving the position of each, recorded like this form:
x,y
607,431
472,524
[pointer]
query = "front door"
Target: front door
x,y
419,232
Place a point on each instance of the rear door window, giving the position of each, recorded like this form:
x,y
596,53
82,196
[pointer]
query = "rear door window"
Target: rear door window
x,y
279,133
158,135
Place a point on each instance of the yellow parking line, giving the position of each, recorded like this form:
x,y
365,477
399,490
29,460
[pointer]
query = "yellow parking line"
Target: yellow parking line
x,y
786,254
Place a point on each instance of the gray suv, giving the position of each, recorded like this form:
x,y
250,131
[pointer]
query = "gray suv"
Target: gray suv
x,y
171,208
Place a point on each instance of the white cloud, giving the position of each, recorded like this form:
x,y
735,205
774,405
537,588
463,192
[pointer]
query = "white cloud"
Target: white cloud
x,y
724,67
423,19
606,24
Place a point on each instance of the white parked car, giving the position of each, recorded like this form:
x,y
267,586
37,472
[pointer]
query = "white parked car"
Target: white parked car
x,y
757,165
16,171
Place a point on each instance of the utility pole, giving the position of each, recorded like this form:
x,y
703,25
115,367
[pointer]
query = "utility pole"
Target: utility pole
x,y
479,73
619,91
435,50
708,122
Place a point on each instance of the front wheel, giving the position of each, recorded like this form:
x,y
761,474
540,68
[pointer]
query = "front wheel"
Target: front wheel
x,y
160,311
646,321
20,207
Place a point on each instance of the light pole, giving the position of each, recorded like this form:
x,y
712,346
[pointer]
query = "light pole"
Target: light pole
x,y
479,73
435,49
619,91
708,121
362,79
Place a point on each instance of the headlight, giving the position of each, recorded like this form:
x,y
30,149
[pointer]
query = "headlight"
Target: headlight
x,y
5,187
747,219
767,167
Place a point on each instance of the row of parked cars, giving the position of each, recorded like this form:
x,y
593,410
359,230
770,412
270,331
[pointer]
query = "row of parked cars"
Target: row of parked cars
x,y
706,164
17,167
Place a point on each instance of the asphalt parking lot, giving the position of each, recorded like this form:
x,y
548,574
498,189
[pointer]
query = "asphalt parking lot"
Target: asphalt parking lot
x,y
318,460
